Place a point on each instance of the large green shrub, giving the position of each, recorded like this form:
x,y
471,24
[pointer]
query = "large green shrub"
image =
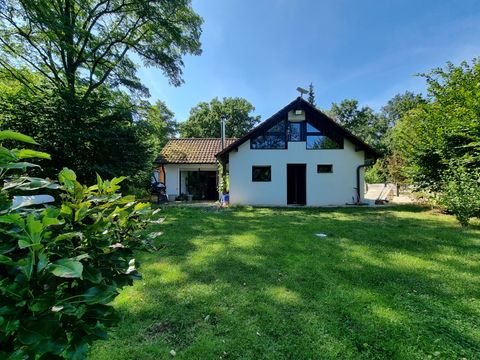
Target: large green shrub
x,y
375,174
64,254
461,193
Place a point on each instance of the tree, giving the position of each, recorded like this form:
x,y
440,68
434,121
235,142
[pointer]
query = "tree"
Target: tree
x,y
74,61
113,136
80,45
363,122
311,95
444,132
204,120
155,124
393,164
400,105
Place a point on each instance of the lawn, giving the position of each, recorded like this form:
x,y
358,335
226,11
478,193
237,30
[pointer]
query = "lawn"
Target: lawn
x,y
248,283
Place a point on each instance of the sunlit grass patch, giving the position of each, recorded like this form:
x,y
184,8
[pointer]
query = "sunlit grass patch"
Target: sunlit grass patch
x,y
248,283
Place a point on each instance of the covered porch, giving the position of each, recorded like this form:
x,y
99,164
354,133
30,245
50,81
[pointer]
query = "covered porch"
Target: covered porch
x,y
198,180
189,167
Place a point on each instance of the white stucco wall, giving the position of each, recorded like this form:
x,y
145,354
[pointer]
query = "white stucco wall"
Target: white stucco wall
x,y
336,188
172,175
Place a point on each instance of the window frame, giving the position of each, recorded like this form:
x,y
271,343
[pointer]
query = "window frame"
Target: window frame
x,y
302,127
321,133
329,168
285,136
269,167
267,132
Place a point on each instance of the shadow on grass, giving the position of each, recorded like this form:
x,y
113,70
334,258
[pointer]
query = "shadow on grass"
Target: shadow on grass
x,y
258,284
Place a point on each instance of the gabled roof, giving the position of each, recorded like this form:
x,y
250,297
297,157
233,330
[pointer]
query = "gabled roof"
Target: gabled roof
x,y
315,116
191,151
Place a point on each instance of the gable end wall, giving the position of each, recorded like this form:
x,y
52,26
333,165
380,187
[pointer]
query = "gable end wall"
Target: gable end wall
x,y
335,188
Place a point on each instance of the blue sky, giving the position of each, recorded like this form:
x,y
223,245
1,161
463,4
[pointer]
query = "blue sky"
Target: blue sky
x,y
368,50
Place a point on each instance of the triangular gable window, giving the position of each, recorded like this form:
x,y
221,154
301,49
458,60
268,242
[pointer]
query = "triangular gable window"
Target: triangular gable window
x,y
277,136
311,128
317,139
272,138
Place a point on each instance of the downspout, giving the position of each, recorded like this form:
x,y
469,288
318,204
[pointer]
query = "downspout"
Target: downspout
x,y
222,141
368,162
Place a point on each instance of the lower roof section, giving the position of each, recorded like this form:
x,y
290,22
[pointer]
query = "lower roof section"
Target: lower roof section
x,y
192,151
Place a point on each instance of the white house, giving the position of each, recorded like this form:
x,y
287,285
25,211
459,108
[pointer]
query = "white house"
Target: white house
x,y
299,156
189,166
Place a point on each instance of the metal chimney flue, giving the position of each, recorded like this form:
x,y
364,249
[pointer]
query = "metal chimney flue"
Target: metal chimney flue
x,y
222,131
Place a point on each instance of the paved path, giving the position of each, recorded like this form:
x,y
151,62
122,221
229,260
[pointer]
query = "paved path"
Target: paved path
x,y
195,203
403,198
374,191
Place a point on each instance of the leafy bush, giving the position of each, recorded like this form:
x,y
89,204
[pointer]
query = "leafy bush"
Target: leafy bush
x,y
375,174
223,185
461,193
61,263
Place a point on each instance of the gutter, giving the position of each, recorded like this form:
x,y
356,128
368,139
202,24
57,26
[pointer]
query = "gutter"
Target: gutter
x,y
369,162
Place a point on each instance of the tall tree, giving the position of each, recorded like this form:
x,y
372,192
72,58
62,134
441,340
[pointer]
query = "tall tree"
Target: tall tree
x,y
311,95
153,126
392,166
400,105
74,59
127,146
445,132
204,120
363,122
79,45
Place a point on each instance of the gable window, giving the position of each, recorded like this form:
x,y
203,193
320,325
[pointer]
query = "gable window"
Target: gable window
x,y
324,168
272,138
316,139
295,131
312,129
261,173
316,142
277,137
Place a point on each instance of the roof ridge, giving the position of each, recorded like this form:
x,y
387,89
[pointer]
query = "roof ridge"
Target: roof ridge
x,y
209,138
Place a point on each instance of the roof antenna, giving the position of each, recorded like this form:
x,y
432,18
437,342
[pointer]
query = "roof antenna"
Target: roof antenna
x,y
302,91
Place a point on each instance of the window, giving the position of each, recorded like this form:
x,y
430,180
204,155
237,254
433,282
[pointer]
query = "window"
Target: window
x,y
315,142
311,128
261,173
295,132
273,138
324,168
316,139
268,142
277,137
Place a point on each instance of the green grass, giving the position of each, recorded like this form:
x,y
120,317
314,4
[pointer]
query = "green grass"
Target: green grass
x,y
245,283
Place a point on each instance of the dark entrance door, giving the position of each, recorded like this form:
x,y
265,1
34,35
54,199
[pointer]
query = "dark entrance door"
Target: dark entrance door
x,y
296,184
211,192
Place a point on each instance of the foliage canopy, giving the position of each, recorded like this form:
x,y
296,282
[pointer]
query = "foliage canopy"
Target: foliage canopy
x,y
112,135
80,45
204,120
445,131
363,122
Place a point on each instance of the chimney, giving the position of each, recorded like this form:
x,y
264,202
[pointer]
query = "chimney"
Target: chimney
x,y
222,131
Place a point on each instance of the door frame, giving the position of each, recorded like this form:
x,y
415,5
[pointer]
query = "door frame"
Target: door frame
x,y
298,166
